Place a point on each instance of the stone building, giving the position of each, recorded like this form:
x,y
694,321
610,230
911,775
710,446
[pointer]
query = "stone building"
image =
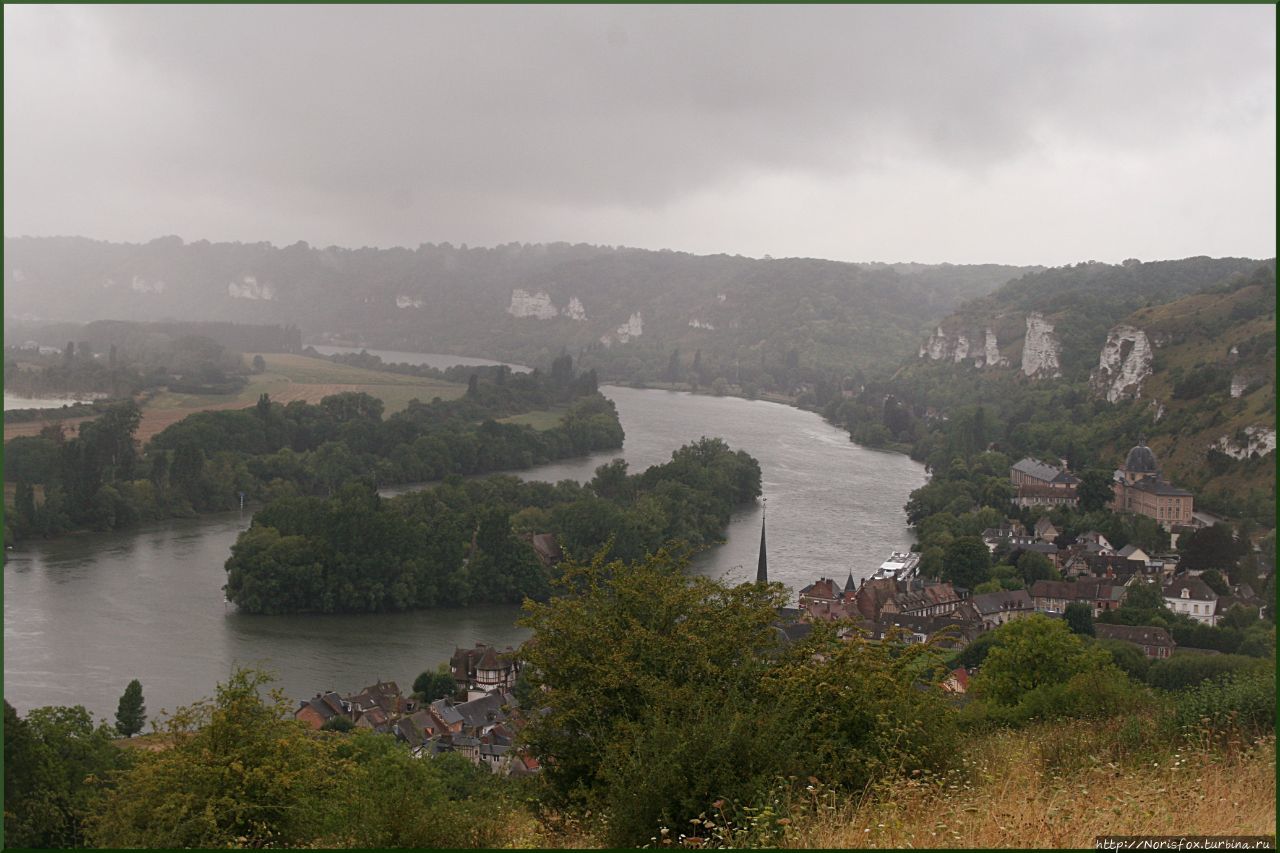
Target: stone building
x,y
1139,488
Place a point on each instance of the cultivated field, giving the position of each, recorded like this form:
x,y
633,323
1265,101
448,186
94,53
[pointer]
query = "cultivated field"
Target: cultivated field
x,y
287,378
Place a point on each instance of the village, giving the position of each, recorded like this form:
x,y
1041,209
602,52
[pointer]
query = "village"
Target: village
x,y
482,716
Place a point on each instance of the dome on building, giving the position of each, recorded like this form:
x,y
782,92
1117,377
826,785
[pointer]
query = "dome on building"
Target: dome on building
x,y
1141,460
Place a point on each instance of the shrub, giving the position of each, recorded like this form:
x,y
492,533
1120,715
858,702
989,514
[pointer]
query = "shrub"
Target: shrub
x,y
1183,671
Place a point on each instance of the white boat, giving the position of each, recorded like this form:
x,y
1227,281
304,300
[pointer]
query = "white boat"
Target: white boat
x,y
899,566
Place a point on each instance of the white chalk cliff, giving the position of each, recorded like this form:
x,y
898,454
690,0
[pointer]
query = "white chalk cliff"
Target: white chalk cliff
x,y
249,288
1123,364
537,305
1255,439
575,311
957,347
1041,350
141,285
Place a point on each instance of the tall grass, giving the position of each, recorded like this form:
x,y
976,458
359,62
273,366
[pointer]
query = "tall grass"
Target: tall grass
x,y
1047,788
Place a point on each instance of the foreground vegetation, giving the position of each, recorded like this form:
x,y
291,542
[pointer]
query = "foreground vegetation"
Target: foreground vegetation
x,y
665,710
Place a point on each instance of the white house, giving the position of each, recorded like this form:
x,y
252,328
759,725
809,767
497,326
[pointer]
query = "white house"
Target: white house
x,y
1192,596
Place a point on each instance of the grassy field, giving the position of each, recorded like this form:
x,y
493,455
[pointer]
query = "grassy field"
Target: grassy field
x,y
287,378
542,419
1023,789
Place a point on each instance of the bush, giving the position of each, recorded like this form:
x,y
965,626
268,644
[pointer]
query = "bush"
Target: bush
x,y
1242,702
1183,671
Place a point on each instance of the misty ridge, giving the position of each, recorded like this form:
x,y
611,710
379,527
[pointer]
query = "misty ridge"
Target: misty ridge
x,y
518,302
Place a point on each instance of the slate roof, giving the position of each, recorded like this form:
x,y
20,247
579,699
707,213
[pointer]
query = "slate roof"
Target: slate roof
x,y
1082,590
448,714
485,710
1043,471
987,603
1198,589
1142,635
823,588
1141,460
1157,486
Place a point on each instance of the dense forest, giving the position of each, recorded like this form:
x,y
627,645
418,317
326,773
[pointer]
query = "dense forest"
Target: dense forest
x,y
619,310
100,479
466,542
664,710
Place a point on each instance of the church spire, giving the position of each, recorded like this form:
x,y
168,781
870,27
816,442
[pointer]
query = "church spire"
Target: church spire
x,y
762,569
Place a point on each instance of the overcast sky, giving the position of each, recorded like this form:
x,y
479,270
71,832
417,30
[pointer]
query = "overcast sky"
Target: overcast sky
x,y
937,133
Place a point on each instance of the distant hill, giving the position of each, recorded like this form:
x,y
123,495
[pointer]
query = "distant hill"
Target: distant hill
x,y
625,309
1067,312
1135,353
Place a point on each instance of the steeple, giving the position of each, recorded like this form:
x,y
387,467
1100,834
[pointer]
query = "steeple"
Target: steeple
x,y
762,569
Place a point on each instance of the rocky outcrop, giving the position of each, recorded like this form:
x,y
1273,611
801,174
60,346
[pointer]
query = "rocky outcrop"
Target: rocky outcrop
x,y
537,305
991,350
249,288
1248,441
937,346
141,285
403,301
633,328
575,311
1041,350
1123,364
958,347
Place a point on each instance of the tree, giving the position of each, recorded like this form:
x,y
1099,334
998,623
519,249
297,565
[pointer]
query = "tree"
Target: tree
x,y
238,772
338,723
1095,490
1215,581
1034,566
24,505
54,763
656,692
131,713
673,366
259,364
435,684
1209,548
1029,653
967,562
1079,618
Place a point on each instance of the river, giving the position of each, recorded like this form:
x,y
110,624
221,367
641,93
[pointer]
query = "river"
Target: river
x,y
85,614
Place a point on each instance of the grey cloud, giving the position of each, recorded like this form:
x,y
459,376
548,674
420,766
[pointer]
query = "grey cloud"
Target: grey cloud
x,y
394,122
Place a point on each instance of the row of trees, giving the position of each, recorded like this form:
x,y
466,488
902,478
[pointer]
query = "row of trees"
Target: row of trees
x,y
466,541
140,360
209,460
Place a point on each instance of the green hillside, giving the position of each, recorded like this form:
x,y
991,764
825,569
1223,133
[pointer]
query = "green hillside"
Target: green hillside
x,y
1207,407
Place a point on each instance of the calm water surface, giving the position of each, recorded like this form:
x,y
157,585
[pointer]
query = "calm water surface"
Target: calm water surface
x,y
85,614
